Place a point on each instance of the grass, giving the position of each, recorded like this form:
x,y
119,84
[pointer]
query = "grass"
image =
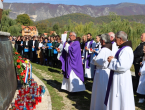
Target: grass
x,y
81,101
55,98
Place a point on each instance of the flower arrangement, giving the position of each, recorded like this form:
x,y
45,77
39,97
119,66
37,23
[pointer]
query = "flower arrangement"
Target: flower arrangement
x,y
21,65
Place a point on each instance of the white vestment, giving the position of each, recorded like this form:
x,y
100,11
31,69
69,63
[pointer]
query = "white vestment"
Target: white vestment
x,y
141,85
60,48
73,83
89,72
114,48
100,79
121,95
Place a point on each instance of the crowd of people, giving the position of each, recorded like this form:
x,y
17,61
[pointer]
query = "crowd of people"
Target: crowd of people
x,y
106,60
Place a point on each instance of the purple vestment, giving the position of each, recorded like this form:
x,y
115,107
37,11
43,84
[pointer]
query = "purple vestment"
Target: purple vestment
x,y
89,55
72,60
111,77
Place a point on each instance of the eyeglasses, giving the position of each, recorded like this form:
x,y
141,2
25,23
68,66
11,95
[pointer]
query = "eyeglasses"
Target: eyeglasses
x,y
71,35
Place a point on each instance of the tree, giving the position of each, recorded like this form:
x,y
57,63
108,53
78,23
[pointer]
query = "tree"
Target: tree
x,y
42,28
24,19
56,28
10,25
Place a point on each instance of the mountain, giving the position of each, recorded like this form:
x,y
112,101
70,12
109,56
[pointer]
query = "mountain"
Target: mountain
x,y
42,11
83,18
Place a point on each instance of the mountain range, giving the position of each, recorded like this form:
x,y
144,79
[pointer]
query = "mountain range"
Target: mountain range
x,y
83,18
42,11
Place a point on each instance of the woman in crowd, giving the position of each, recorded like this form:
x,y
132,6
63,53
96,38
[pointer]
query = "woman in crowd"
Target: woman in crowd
x,y
17,44
26,47
97,49
39,52
55,61
44,51
48,38
51,45
21,45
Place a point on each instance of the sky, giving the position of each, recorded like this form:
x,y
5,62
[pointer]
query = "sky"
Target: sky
x,y
78,2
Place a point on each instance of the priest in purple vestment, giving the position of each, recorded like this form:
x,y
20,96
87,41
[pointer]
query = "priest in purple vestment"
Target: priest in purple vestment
x,y
72,66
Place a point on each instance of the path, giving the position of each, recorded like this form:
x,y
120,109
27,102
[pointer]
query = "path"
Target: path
x,y
66,101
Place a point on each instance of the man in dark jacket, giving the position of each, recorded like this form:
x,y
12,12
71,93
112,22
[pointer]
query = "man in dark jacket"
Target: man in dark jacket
x,y
44,51
33,46
138,54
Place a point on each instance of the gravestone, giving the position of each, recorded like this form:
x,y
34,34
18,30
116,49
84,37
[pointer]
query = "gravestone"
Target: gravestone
x,y
8,81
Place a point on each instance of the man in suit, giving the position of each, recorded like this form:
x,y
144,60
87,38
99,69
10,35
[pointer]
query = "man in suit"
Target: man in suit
x,y
138,54
33,46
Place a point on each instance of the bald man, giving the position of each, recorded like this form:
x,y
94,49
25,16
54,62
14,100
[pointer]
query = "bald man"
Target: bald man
x,y
114,46
138,54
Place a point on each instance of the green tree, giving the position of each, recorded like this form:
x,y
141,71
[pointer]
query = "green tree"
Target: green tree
x,y
42,28
10,25
24,19
56,28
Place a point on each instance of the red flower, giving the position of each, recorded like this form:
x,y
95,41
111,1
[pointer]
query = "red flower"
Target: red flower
x,y
16,53
19,57
23,79
22,74
18,61
22,61
18,66
24,71
18,77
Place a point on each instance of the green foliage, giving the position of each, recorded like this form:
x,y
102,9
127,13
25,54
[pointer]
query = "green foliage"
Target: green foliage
x,y
42,28
56,28
133,29
10,25
78,18
24,19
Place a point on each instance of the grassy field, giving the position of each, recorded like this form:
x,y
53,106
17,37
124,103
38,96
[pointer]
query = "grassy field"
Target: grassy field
x,y
62,100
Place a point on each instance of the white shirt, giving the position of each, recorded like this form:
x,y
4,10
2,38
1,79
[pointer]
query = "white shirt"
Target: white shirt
x,y
33,42
1,4
26,42
40,44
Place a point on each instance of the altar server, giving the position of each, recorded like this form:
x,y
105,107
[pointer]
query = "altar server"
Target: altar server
x,y
101,74
114,45
88,56
72,66
120,90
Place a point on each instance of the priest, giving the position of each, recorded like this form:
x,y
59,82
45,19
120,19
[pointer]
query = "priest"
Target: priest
x,y
72,66
87,56
119,95
114,45
101,75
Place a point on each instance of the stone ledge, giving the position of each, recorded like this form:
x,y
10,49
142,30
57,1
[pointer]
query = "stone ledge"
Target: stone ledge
x,y
4,33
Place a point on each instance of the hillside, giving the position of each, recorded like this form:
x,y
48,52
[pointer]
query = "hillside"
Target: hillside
x,y
78,18
42,11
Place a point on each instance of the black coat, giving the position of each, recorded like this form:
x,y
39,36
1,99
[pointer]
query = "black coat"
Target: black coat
x,y
24,44
138,53
17,46
31,44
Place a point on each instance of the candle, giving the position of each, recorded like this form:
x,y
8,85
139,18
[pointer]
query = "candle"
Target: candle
x,y
40,98
16,100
